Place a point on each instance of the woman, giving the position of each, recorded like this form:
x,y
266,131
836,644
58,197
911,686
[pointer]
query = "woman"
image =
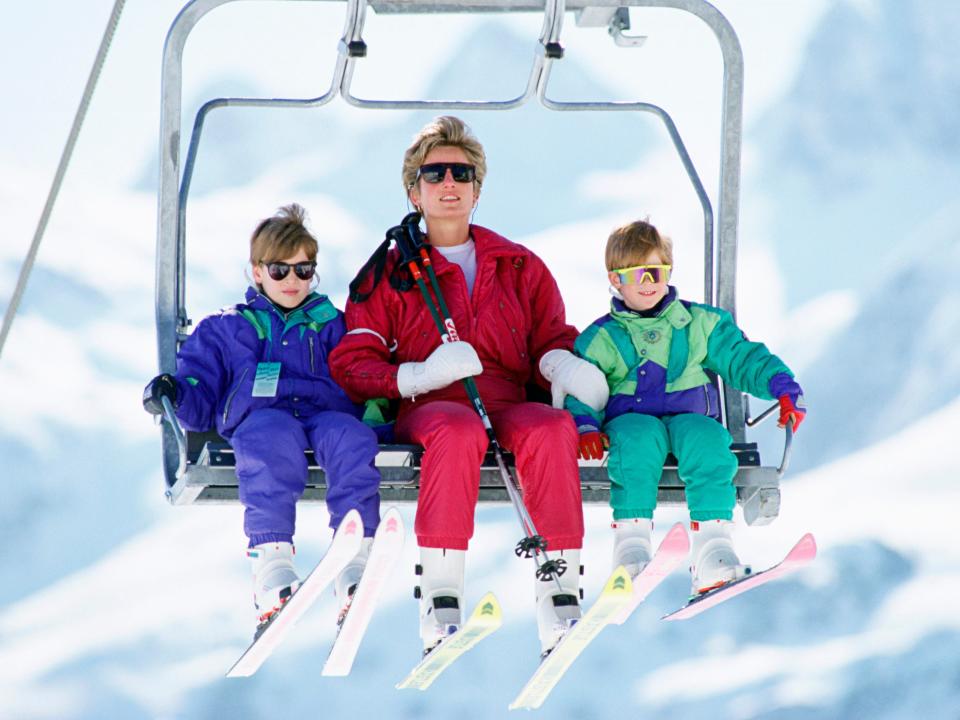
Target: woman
x,y
510,319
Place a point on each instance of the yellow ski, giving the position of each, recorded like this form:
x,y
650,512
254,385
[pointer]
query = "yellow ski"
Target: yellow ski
x,y
486,618
615,595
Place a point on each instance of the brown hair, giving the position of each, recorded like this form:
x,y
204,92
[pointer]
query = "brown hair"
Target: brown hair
x,y
281,236
443,131
633,243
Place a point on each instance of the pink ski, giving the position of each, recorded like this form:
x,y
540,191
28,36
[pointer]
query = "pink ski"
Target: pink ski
x,y
671,553
801,554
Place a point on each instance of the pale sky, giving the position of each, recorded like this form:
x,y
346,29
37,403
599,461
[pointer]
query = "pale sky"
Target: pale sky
x,y
47,48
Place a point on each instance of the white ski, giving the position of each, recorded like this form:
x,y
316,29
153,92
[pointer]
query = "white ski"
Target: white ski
x,y
387,545
615,595
345,545
486,618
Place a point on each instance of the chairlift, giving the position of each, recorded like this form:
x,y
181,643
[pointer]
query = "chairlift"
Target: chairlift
x,y
199,467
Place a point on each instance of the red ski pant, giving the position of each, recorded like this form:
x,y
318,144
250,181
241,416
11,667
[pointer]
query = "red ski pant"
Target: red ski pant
x,y
543,441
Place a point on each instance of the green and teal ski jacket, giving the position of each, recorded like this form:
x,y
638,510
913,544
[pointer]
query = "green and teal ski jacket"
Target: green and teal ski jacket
x,y
656,362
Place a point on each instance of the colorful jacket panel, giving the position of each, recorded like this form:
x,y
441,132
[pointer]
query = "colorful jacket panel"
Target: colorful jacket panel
x,y
656,365
217,365
514,315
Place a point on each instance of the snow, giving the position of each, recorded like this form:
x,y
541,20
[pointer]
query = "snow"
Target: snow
x,y
181,587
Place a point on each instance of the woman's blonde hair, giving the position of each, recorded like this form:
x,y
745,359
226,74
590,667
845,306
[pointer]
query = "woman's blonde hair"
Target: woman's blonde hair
x,y
633,243
443,131
281,236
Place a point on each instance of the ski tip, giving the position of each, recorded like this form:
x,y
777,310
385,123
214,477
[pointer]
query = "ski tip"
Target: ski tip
x,y
351,524
676,539
391,522
619,582
488,610
806,548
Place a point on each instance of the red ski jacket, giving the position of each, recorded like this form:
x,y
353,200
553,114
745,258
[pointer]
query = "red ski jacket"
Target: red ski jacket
x,y
514,316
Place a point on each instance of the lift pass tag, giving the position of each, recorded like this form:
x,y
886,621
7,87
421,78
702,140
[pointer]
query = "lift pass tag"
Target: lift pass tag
x,y
265,382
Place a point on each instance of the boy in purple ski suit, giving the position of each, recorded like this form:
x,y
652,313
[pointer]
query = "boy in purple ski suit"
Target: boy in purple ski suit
x,y
258,372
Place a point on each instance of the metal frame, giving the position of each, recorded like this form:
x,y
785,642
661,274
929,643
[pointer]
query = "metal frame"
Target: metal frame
x,y
182,472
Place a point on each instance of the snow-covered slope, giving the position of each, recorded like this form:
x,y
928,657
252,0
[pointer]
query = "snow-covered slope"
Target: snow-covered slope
x,y
148,630
899,357
864,145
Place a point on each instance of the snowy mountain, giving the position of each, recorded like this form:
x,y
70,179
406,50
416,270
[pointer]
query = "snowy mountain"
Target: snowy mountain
x,y
347,161
862,158
899,358
863,633
864,145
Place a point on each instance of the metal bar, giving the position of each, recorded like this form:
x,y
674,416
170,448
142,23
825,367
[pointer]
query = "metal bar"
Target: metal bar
x,y
170,418
65,156
171,315
532,81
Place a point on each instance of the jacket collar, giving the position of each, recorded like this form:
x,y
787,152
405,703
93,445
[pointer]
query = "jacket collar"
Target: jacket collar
x,y
669,308
316,307
488,244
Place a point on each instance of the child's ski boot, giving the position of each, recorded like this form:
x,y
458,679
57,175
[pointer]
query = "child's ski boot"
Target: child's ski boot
x,y
346,582
713,562
632,547
558,606
440,593
274,579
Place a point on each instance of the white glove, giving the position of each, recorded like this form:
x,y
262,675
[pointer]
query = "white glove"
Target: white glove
x,y
448,363
569,375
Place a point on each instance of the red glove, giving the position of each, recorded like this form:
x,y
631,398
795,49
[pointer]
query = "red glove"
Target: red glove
x,y
592,445
791,409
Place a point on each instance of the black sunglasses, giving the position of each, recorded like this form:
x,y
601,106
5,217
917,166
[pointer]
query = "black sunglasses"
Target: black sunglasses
x,y
435,172
279,270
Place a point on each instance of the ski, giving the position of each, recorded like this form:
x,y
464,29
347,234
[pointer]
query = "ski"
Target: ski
x,y
802,553
615,595
485,619
345,545
387,545
670,554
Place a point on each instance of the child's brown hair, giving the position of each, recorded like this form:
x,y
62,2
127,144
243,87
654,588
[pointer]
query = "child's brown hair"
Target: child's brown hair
x,y
281,236
633,243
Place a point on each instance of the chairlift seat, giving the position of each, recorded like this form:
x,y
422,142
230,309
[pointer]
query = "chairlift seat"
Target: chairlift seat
x,y
210,477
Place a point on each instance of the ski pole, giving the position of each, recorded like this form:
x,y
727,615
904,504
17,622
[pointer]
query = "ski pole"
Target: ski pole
x,y
412,252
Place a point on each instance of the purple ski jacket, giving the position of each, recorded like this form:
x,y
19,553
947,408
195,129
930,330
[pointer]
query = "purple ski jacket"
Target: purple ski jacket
x,y
218,363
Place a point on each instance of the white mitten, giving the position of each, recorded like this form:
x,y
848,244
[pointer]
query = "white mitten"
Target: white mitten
x,y
448,363
570,375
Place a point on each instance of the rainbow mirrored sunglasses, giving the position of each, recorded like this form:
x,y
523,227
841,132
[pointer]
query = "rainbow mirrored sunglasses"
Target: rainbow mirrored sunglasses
x,y
638,273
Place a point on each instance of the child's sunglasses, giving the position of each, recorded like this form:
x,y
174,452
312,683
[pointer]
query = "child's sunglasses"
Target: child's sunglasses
x,y
279,270
638,273
434,173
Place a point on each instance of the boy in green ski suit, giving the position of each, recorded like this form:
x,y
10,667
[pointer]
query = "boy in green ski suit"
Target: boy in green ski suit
x,y
655,351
